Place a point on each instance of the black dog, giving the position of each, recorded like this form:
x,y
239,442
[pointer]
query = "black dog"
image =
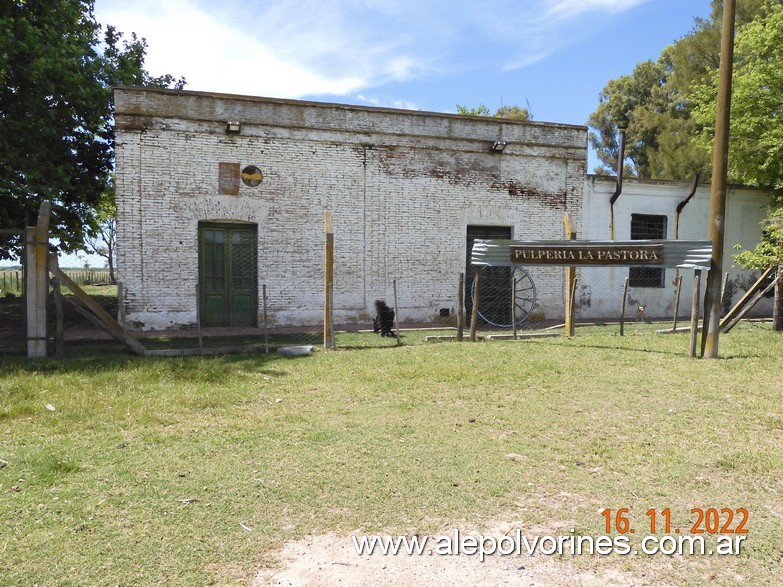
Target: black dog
x,y
383,322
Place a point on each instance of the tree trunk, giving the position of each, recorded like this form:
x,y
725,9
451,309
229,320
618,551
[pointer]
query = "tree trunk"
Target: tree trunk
x,y
110,263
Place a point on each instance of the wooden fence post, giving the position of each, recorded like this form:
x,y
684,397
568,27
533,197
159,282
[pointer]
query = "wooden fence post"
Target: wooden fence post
x,y
474,309
572,308
678,289
266,318
570,274
695,312
460,307
622,310
198,317
514,307
37,282
396,313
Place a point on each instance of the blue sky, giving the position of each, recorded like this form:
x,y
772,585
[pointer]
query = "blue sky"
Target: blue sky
x,y
555,55
420,54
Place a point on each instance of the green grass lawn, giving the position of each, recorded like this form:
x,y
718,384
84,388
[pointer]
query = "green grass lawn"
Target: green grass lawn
x,y
191,471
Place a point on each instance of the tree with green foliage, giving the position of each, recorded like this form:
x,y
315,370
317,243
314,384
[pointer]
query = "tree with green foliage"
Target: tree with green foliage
x,y
769,252
756,135
510,112
57,70
646,106
654,105
756,143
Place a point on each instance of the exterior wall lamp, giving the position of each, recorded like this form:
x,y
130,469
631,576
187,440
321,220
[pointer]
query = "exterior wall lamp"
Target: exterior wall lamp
x,y
498,146
233,127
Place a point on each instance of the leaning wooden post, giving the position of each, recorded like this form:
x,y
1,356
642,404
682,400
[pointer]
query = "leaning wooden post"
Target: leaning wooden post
x,y
729,324
37,281
328,280
723,287
777,309
677,289
396,312
460,307
570,275
93,310
474,309
622,310
695,312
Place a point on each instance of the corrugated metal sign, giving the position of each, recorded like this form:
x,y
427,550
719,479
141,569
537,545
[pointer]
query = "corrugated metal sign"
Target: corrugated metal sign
x,y
637,253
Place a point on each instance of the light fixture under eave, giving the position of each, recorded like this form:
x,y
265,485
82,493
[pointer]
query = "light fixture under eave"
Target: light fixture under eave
x,y
233,127
498,146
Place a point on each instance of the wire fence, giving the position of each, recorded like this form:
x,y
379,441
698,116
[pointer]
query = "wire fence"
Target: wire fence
x,y
511,301
524,302
286,321
13,330
632,301
12,279
12,307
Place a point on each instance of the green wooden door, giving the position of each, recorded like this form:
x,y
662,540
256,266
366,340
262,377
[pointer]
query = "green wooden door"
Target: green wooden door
x,y
228,274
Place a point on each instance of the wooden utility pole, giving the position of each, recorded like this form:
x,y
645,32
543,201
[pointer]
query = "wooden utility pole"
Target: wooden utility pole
x,y
720,158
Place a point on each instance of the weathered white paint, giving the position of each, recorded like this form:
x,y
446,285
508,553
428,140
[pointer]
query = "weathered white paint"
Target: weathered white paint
x,y
600,289
403,187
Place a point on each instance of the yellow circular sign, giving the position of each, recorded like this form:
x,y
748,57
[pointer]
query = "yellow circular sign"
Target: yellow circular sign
x,y
252,176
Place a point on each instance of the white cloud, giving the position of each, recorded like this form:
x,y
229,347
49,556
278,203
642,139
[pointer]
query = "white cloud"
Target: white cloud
x,y
562,9
300,48
544,27
401,104
260,54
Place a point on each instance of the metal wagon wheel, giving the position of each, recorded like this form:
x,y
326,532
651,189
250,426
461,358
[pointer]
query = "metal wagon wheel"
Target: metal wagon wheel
x,y
496,286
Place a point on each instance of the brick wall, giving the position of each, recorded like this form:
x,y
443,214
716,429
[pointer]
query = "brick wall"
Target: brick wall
x,y
403,187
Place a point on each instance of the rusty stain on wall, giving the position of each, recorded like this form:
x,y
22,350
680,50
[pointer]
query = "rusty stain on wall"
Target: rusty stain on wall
x,y
228,179
457,168
516,191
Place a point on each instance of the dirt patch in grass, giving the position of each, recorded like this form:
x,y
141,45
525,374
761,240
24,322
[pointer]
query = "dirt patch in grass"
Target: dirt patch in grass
x,y
331,560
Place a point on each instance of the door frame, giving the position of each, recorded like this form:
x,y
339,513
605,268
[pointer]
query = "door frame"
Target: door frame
x,y
202,301
491,231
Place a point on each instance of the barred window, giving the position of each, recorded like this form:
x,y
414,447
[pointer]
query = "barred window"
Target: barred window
x,y
646,227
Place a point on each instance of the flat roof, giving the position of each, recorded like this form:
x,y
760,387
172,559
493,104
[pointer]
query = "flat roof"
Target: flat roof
x,y
335,105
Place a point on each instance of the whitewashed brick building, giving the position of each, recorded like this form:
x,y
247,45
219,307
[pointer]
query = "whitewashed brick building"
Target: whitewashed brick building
x,y
211,212
647,208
